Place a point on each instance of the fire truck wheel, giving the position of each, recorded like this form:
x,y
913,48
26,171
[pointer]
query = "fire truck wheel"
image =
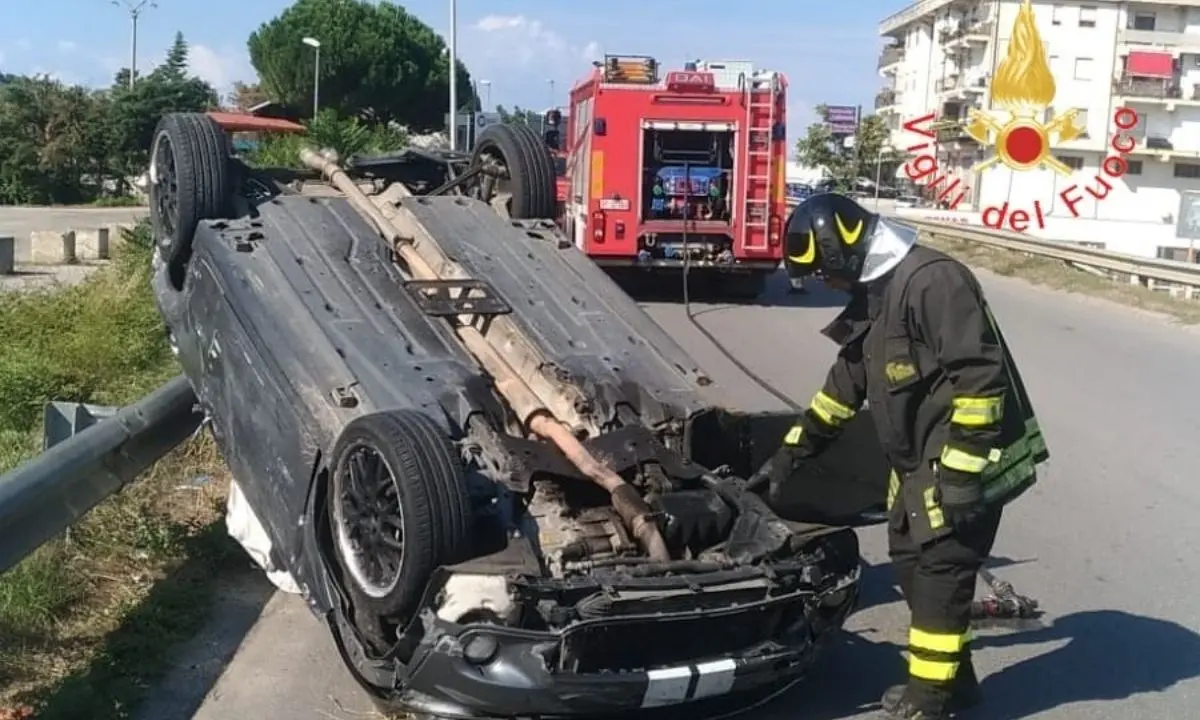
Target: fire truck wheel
x,y
529,167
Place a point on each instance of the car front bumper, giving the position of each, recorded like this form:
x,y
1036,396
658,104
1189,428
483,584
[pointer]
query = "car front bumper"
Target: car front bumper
x,y
488,671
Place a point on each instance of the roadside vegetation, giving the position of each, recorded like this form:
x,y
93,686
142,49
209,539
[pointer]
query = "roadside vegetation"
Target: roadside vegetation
x,y
867,157
88,619
1061,276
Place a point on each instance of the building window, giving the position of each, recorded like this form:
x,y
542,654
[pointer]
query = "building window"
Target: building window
x,y
1133,167
1075,163
1143,21
1083,68
1056,14
1081,122
1087,16
1187,170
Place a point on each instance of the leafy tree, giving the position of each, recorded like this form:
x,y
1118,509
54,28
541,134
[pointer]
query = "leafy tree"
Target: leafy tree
x,y
133,113
378,63
246,95
819,147
47,142
62,144
345,136
519,116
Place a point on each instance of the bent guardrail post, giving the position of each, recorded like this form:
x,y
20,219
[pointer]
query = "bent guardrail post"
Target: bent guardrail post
x,y
47,494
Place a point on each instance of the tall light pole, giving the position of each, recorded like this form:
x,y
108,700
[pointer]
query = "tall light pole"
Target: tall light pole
x,y
315,44
135,8
453,58
487,93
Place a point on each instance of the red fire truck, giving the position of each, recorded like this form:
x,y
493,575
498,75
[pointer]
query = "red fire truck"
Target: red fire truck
x,y
686,169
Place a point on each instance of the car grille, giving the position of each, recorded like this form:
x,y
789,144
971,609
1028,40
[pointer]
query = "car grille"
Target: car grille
x,y
621,644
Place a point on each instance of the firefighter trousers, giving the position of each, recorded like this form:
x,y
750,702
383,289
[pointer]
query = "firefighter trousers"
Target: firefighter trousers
x,y
938,580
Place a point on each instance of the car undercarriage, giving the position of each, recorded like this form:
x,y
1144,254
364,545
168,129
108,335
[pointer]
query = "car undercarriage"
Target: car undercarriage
x,y
503,486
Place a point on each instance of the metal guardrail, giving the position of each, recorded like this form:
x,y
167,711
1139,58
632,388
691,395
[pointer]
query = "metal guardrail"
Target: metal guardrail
x,y
1139,270
49,493
1147,271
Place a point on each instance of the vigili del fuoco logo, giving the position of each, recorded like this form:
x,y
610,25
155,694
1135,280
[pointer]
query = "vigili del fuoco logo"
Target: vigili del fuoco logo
x,y
1021,137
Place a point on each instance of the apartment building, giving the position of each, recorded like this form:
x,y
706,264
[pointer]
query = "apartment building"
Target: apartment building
x,y
1103,55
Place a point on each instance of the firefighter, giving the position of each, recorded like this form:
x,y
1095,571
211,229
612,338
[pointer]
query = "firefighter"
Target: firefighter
x,y
918,343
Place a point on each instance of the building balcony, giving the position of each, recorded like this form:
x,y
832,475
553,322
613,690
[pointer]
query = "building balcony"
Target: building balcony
x,y
973,86
886,99
966,35
891,55
895,23
1173,42
951,131
1168,90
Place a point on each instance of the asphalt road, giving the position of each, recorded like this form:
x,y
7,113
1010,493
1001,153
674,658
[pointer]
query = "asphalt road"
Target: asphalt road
x,y
1108,541
20,221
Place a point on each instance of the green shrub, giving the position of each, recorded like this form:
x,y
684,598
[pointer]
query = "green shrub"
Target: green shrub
x,y
346,136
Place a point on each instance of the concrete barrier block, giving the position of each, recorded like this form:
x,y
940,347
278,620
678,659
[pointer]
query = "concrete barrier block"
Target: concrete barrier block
x,y
93,244
8,255
48,247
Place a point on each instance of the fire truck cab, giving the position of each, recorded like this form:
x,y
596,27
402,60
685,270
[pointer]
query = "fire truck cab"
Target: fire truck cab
x,y
686,169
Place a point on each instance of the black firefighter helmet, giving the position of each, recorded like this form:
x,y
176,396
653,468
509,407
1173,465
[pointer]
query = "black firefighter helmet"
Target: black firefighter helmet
x,y
828,234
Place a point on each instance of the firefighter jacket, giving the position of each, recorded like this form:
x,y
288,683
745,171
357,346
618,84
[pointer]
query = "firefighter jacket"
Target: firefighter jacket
x,y
921,348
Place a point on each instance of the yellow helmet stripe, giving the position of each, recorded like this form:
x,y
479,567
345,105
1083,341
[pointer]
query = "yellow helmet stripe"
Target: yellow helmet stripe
x,y
850,236
810,254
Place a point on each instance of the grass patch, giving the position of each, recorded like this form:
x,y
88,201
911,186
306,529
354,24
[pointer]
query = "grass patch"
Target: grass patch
x,y
1061,276
88,620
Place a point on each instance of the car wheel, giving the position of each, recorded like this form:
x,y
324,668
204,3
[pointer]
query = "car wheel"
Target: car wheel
x,y
189,181
528,178
398,508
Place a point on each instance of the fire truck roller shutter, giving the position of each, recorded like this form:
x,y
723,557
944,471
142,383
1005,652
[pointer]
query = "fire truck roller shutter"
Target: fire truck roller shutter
x,y
529,165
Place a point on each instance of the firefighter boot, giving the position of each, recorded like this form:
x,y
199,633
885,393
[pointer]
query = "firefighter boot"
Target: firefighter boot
x,y
930,702
917,700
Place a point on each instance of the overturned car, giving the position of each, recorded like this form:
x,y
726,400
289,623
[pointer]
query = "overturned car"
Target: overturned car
x,y
501,484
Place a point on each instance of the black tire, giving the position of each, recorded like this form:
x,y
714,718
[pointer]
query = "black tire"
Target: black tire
x,y
189,172
530,168
423,496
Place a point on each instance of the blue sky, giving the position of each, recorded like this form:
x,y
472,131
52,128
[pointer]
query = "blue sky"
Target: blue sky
x,y
828,51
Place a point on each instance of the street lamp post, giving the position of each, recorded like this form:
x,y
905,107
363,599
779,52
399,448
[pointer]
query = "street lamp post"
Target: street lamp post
x,y
135,11
316,46
453,58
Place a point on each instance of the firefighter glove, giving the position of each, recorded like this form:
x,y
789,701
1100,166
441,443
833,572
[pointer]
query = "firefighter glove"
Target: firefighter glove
x,y
960,495
775,473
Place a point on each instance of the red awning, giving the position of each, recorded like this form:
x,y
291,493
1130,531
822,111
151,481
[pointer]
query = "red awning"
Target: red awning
x,y
244,122
1150,64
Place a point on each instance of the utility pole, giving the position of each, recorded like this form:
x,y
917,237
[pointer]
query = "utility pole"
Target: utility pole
x,y
135,8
